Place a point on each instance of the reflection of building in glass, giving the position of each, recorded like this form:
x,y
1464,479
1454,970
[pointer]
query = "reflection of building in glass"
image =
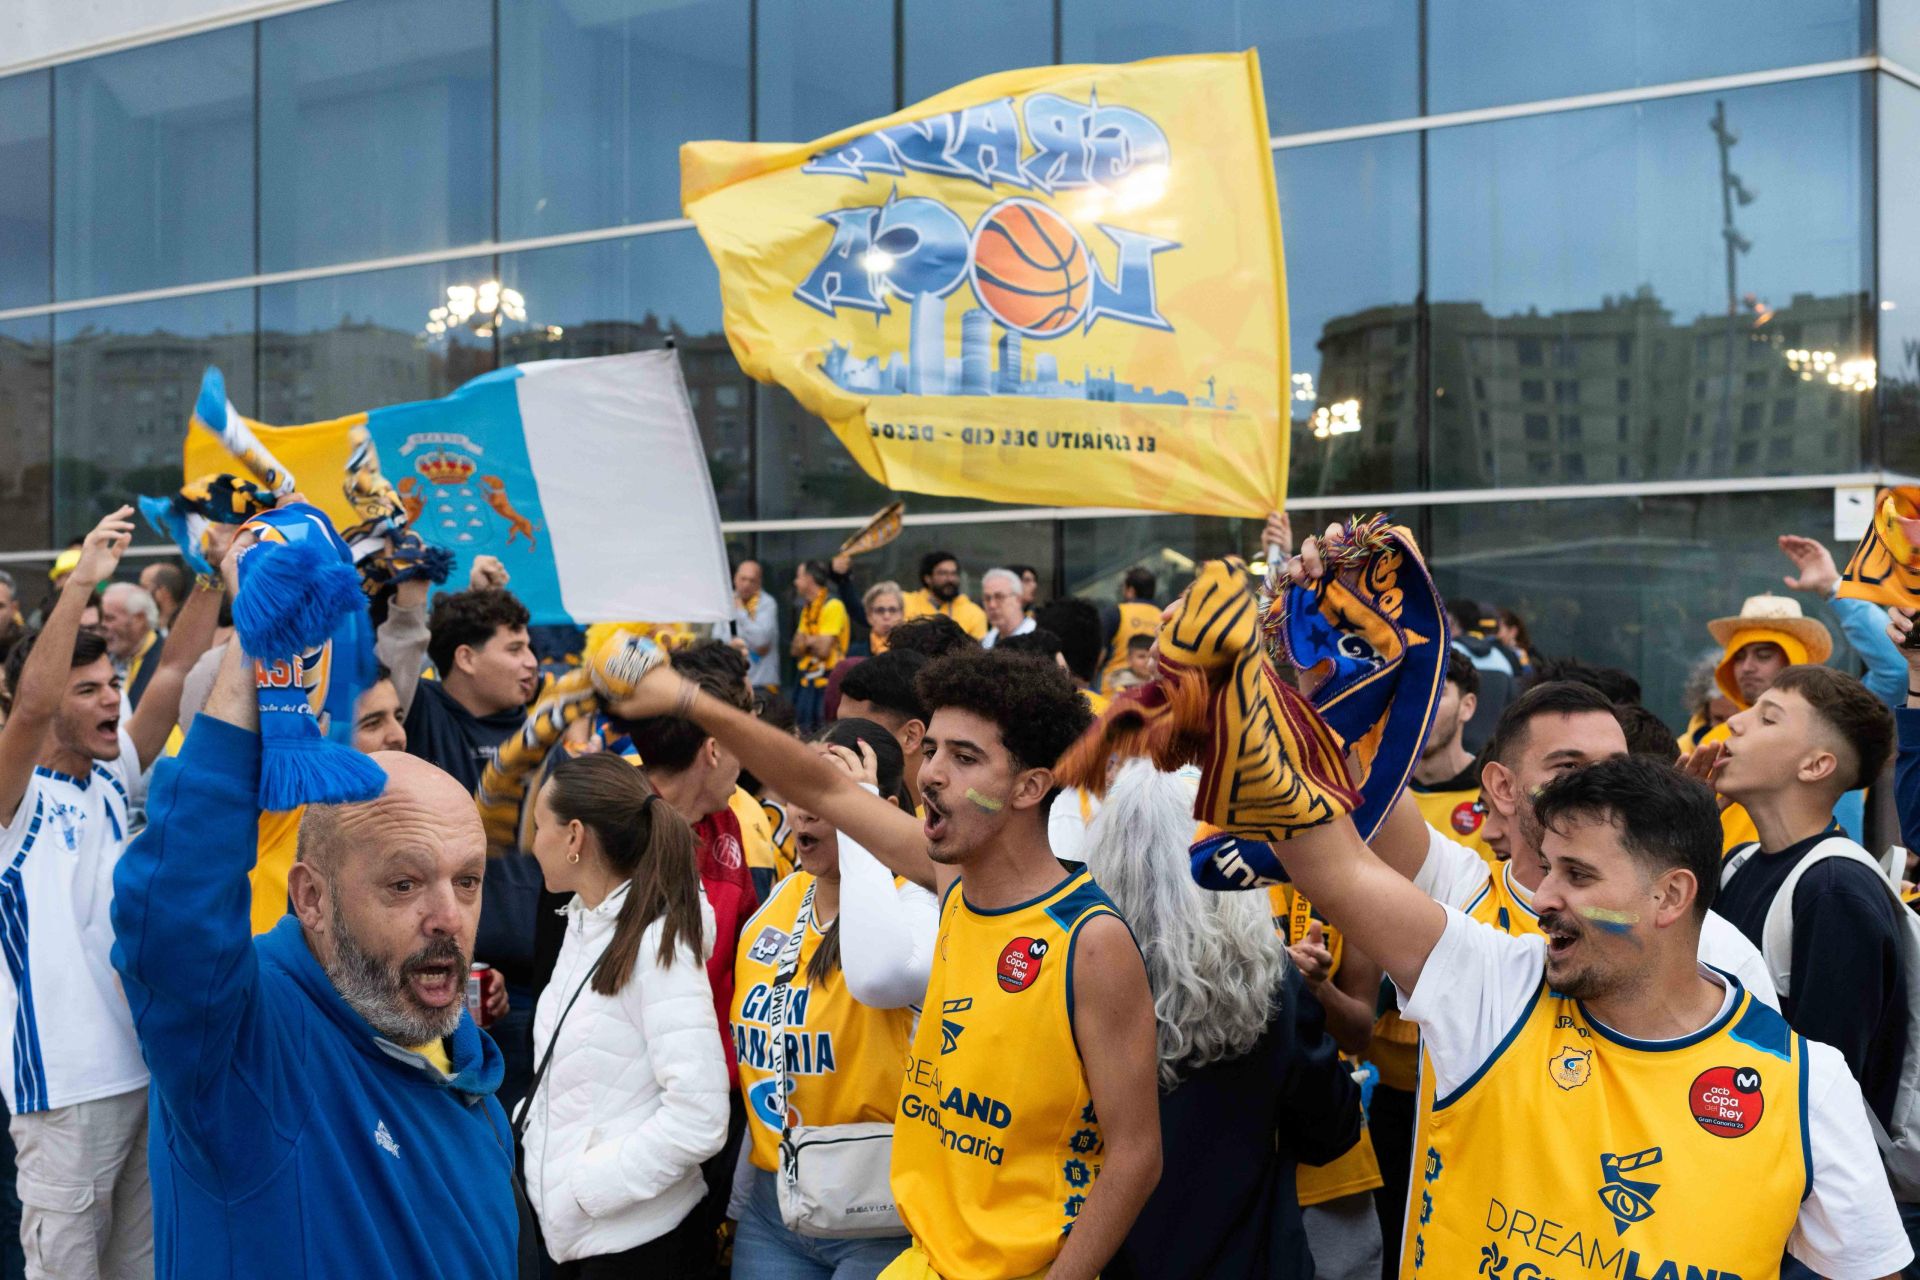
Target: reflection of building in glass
x,y
1617,392
26,417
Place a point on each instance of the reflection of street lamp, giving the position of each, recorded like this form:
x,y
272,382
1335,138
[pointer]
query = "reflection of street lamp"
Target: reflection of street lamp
x,y
1340,418
1303,388
479,308
1861,374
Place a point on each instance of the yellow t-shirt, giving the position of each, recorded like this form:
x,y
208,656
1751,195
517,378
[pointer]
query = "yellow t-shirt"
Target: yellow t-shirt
x,y
971,617
996,1146
279,841
844,1058
1575,1149
1459,815
1137,618
435,1051
757,840
826,616
1359,1169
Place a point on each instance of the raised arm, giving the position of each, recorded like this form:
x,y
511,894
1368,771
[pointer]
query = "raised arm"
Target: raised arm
x,y
792,769
1113,1008
184,949
43,677
192,635
401,642
1378,909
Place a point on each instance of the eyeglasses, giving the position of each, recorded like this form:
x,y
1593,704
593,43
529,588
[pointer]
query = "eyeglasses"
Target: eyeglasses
x,y
883,610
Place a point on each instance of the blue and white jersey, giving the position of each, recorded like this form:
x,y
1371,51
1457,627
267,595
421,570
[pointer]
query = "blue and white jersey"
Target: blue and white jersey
x,y
68,1034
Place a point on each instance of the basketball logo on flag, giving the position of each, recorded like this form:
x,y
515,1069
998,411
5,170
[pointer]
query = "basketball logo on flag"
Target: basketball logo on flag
x,y
1029,268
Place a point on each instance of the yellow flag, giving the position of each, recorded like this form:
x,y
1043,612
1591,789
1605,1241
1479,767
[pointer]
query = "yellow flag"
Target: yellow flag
x,y
1886,565
1055,286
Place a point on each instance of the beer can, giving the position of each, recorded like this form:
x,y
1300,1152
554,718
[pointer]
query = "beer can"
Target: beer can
x,y
475,1000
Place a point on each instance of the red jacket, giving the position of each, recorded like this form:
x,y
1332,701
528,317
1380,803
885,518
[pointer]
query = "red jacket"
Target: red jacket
x,y
729,886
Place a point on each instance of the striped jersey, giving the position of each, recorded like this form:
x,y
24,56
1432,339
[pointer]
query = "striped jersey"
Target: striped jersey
x,y
70,1033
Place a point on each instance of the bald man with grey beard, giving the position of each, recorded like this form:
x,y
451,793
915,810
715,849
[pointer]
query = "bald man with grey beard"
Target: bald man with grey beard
x,y
322,1102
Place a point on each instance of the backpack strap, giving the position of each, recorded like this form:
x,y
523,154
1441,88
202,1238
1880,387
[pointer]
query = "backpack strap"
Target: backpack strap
x,y
1741,855
1776,935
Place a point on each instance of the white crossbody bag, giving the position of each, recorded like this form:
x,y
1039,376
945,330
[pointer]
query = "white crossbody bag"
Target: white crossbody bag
x,y
834,1180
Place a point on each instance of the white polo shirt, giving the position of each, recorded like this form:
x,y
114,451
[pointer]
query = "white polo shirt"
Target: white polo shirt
x,y
71,1035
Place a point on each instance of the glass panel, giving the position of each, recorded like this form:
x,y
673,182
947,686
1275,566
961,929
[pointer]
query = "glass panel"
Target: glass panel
x,y
946,46
26,197
1481,53
126,378
1900,32
636,295
345,344
376,130
1324,65
1099,552
1630,582
1899,275
596,98
153,163
1590,322
26,417
1350,214
820,65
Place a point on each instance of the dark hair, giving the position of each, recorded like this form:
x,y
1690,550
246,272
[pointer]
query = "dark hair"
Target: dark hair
x,y
1022,570
669,743
645,841
1647,734
772,707
934,634
470,618
933,560
1554,697
1509,618
1137,641
1140,580
381,671
88,647
1462,672
1665,818
890,777
885,682
1465,613
173,579
818,571
1860,720
1077,623
1619,686
1036,708
1040,642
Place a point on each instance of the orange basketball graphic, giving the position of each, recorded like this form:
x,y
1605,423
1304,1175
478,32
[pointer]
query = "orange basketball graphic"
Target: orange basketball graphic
x,y
1030,268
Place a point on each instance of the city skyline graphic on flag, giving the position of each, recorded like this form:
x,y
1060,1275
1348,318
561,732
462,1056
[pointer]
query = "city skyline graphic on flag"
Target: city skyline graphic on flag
x,y
987,366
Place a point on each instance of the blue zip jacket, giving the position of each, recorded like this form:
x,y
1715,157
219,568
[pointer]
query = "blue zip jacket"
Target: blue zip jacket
x,y
288,1139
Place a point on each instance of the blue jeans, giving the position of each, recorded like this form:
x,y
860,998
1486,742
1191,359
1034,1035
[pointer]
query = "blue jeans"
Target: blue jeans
x,y
763,1248
809,707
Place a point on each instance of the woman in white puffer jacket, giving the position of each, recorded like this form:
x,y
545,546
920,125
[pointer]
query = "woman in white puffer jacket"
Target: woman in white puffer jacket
x,y
635,1097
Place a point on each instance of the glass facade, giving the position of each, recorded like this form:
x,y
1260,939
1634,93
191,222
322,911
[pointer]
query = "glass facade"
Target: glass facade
x,y
1686,284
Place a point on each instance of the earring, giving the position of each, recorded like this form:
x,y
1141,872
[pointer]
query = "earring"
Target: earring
x,y
573,857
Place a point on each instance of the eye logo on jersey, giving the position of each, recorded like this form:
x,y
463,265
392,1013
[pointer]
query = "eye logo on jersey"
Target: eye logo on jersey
x,y
1628,1200
1020,963
1727,1101
1570,1068
1468,816
763,1103
766,948
949,1029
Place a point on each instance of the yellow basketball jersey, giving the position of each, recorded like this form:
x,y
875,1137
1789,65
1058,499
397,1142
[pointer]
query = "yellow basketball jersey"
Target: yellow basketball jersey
x,y
1358,1169
843,1058
1137,618
1458,815
996,1146
1504,905
1579,1152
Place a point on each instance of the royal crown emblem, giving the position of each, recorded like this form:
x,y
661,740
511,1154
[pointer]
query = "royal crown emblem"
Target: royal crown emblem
x,y
442,467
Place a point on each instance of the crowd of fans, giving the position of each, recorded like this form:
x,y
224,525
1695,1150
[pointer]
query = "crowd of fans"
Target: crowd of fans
x,y
796,960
